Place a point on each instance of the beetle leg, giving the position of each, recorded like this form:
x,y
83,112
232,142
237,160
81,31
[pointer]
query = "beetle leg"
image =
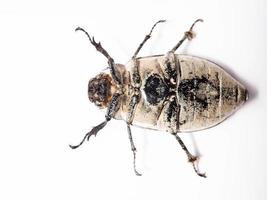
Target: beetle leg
x,y
170,68
133,149
130,115
187,35
146,38
111,111
99,48
192,159
94,131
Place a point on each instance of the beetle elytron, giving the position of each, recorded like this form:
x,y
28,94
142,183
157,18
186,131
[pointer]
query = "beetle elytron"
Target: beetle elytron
x,y
172,92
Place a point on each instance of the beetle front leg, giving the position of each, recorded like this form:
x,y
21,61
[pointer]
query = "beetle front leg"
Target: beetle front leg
x,y
111,111
192,159
99,48
146,38
187,35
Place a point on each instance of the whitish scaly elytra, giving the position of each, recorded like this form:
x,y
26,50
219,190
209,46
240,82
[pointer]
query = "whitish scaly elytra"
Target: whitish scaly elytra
x,y
172,92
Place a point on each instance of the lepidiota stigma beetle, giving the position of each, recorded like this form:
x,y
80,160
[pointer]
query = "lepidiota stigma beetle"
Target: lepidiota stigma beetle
x,y
171,92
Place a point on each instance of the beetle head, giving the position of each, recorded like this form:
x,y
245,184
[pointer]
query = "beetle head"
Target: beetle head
x,y
99,90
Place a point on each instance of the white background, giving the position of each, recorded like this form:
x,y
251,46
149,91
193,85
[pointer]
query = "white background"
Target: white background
x,y
44,70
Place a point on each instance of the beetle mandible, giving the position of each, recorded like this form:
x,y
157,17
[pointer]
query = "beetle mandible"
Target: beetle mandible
x,y
172,92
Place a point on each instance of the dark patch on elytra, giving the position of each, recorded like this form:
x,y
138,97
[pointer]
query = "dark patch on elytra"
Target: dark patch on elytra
x,y
155,89
196,90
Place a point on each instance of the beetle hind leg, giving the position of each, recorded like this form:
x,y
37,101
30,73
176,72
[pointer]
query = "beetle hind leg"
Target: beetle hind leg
x,y
191,158
133,149
187,35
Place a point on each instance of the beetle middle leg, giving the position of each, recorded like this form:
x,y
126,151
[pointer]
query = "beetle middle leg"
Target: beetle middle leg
x,y
187,35
111,111
146,38
191,158
99,48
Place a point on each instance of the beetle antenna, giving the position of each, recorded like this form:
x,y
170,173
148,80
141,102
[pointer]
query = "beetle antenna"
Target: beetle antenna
x,y
94,131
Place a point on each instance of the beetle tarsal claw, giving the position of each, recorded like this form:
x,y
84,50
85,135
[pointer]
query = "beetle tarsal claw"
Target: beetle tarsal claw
x,y
78,29
194,161
134,162
198,20
86,137
135,170
137,173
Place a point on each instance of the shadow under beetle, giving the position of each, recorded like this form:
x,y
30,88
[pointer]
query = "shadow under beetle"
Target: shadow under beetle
x,y
172,92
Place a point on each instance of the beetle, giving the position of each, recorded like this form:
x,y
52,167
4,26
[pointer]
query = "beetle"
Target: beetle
x,y
171,92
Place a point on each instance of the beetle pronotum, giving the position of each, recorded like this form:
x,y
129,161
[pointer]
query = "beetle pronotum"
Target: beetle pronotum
x,y
172,92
